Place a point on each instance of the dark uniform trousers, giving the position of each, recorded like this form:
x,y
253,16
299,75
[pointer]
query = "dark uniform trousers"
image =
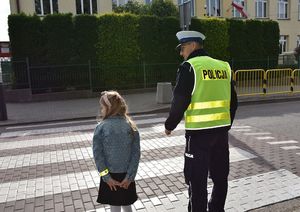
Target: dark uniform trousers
x,y
207,153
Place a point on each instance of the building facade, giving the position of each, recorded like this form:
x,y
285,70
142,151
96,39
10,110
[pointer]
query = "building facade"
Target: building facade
x,y
285,12
44,7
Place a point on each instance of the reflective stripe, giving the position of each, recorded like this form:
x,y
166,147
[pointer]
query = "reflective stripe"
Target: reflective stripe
x,y
211,104
103,173
206,118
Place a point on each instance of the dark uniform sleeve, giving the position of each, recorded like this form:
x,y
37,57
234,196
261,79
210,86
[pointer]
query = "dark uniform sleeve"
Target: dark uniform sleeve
x,y
181,95
233,102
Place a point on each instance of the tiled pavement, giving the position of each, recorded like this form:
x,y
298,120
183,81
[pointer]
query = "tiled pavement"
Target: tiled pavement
x,y
49,167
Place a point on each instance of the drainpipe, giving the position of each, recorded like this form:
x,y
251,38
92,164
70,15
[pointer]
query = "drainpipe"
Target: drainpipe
x,y
18,6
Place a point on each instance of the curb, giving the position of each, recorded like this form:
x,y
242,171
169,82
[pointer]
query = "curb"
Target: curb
x,y
241,102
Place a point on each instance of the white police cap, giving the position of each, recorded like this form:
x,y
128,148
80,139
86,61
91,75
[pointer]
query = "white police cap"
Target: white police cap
x,y
188,36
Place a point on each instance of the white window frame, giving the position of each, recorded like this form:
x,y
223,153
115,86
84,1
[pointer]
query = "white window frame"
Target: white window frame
x,y
125,2
298,41
299,10
217,5
181,2
283,9
264,7
42,7
235,12
91,7
283,42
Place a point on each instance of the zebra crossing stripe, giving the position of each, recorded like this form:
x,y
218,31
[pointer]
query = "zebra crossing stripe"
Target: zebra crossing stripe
x,y
90,179
290,147
264,138
245,193
257,133
71,128
283,142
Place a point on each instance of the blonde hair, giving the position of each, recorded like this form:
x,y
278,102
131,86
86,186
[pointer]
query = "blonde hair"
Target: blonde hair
x,y
115,104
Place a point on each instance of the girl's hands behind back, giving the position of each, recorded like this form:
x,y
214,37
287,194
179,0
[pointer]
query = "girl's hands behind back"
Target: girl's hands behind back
x,y
113,184
125,183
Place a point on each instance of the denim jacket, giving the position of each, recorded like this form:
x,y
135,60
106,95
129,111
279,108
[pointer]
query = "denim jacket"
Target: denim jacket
x,y
116,147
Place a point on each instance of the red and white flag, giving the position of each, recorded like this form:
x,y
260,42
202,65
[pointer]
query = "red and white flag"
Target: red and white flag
x,y
240,8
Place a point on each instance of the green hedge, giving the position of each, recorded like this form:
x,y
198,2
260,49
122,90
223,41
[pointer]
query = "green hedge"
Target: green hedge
x,y
85,38
123,47
253,44
26,40
217,37
58,34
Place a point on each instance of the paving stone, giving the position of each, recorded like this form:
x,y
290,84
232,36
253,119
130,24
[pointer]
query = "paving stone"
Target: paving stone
x,y
88,205
68,201
29,207
9,209
138,205
39,209
78,204
69,208
19,204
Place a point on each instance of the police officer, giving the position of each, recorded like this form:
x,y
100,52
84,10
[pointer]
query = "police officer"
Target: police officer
x,y
204,94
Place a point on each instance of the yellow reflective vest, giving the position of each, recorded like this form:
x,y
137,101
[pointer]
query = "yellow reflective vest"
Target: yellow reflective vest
x,y
210,102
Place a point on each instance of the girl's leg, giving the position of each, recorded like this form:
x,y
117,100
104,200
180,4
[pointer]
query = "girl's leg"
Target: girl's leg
x,y
115,208
127,208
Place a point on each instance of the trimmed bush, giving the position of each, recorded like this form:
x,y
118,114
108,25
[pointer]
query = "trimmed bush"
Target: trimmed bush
x,y
85,38
217,37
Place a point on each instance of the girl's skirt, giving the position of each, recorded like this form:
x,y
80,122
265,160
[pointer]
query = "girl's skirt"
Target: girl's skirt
x,y
121,196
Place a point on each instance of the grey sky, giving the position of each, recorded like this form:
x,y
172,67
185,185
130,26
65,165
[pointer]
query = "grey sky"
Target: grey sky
x,y
4,12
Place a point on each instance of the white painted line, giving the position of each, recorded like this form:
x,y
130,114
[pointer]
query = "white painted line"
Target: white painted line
x,y
82,137
257,133
241,130
240,127
71,128
298,153
46,141
73,122
289,147
237,154
249,192
90,179
79,153
283,142
265,138
51,124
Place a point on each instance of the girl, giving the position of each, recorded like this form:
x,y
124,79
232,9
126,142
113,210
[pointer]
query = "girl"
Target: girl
x,y
116,149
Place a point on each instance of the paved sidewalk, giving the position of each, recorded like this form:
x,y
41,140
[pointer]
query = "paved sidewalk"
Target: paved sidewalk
x,y
21,113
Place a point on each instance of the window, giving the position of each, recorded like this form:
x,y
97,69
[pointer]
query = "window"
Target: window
x,y
148,1
283,43
122,2
235,12
86,6
299,10
282,9
213,8
261,8
180,2
298,40
44,7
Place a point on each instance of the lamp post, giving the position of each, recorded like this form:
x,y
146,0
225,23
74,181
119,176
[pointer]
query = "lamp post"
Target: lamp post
x,y
3,112
185,15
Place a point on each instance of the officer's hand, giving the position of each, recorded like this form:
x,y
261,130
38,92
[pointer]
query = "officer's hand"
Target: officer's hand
x,y
168,132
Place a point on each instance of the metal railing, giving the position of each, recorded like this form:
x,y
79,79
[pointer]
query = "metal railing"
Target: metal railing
x,y
249,82
273,81
278,81
296,80
54,78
